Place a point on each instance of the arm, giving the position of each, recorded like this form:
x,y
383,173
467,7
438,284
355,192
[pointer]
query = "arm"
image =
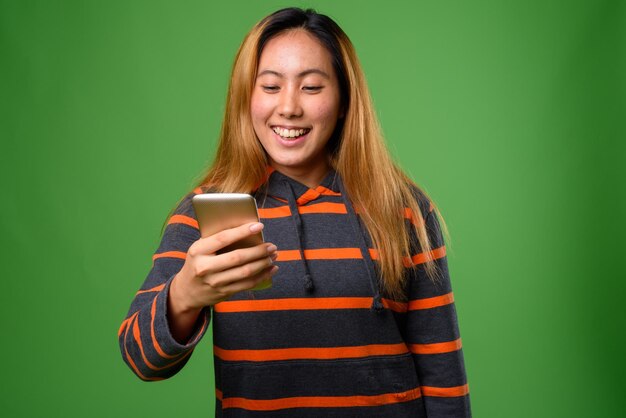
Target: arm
x,y
432,335
171,312
145,338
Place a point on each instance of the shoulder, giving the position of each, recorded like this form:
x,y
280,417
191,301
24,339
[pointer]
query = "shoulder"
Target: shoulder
x,y
182,224
432,220
185,204
183,216
424,202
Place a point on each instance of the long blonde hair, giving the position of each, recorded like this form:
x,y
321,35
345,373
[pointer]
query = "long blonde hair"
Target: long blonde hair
x,y
381,192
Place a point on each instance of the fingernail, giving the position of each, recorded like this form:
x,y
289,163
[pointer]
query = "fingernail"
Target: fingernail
x,y
271,248
274,270
256,227
274,256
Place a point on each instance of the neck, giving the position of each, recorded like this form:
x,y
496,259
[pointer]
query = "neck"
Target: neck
x,y
310,176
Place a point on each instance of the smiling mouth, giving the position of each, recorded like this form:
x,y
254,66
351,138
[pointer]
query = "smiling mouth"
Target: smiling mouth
x,y
290,133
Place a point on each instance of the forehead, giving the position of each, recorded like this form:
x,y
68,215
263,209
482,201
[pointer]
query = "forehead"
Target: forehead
x,y
294,51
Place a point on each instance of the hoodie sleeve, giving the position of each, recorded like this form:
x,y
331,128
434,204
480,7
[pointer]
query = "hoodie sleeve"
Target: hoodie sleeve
x,y
145,340
432,334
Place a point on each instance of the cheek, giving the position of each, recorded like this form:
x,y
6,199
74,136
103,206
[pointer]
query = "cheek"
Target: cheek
x,y
259,109
327,115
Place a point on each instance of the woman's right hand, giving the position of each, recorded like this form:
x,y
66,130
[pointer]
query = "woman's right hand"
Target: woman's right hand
x,y
208,278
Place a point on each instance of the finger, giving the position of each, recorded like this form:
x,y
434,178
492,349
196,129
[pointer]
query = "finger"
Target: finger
x,y
217,241
248,283
224,278
214,264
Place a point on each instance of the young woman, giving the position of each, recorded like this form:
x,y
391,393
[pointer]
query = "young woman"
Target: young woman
x,y
359,320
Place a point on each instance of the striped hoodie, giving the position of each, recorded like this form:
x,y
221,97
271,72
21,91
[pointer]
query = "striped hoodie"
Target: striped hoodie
x,y
323,341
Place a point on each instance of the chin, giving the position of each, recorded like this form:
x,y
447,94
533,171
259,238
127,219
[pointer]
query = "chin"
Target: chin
x,y
289,163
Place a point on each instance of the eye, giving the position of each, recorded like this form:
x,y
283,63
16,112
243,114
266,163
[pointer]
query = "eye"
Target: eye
x,y
270,88
312,88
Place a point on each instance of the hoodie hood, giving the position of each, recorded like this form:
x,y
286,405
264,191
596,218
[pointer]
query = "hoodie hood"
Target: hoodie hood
x,y
297,196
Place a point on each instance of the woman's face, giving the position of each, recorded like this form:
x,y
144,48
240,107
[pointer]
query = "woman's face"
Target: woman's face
x,y
295,104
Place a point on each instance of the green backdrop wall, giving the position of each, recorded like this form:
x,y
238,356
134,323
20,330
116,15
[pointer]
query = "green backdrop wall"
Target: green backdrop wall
x,y
510,114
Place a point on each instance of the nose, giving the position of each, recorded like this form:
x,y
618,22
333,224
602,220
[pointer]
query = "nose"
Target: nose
x,y
289,105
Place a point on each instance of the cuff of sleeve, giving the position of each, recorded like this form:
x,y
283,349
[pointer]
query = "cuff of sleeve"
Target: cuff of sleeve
x,y
161,326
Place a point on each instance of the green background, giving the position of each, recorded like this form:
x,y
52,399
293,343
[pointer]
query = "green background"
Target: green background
x,y
510,114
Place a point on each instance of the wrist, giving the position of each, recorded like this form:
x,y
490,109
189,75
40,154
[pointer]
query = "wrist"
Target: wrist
x,y
178,303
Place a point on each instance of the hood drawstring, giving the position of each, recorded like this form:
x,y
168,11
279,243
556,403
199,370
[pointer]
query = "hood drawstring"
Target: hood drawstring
x,y
282,186
309,286
377,304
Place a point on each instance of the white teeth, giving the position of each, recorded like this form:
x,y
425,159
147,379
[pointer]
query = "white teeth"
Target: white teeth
x,y
289,133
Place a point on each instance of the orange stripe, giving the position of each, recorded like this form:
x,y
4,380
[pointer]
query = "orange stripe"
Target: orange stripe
x,y
157,347
205,322
154,289
350,253
137,335
436,348
320,254
408,214
293,304
341,208
445,392
354,253
433,255
326,191
288,255
332,253
323,208
394,305
124,324
155,343
300,304
284,211
321,353
326,207
134,367
433,302
308,196
198,190
279,212
420,258
321,401
130,359
182,219
170,254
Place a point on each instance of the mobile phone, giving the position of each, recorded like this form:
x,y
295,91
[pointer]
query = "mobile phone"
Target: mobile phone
x,y
219,211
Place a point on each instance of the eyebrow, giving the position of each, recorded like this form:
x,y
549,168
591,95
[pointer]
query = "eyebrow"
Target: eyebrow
x,y
300,75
